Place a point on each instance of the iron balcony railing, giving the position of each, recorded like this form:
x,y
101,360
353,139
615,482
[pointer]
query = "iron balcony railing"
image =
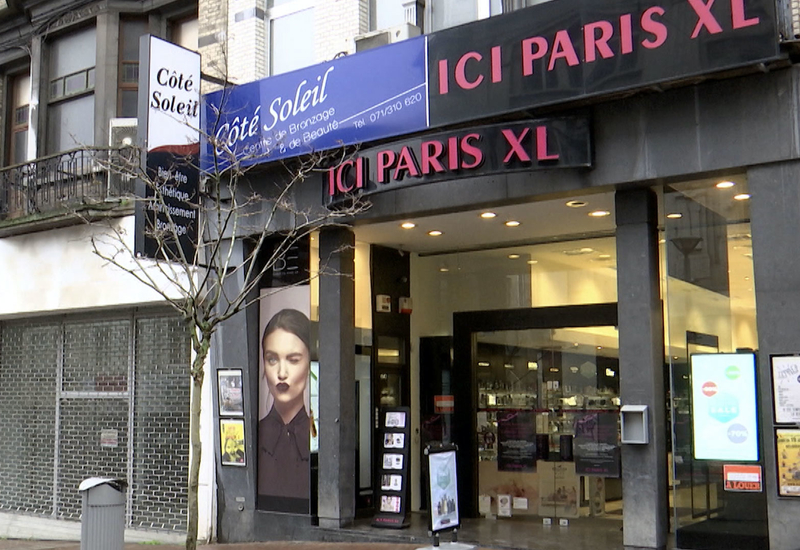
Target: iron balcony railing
x,y
66,181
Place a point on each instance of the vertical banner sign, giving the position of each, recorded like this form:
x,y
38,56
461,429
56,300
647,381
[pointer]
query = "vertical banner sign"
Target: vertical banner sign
x,y
443,489
724,412
394,442
169,127
286,419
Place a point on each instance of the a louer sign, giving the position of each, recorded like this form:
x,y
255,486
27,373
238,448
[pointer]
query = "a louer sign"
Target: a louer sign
x,y
546,54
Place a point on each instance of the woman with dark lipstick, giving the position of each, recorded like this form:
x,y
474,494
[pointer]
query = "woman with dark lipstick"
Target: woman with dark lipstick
x,y
283,435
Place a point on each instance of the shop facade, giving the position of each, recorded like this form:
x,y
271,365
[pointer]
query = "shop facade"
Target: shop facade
x,y
571,248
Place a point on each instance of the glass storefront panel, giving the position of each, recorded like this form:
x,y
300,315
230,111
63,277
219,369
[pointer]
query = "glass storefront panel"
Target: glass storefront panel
x,y
710,309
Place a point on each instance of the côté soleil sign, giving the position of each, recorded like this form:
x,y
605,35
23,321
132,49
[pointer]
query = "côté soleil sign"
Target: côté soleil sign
x,y
546,54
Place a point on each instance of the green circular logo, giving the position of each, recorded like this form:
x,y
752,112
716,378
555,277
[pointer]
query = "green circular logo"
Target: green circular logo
x,y
733,372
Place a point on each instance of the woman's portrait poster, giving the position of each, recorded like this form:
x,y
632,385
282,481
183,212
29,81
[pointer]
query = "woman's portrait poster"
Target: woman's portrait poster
x,y
229,383
286,420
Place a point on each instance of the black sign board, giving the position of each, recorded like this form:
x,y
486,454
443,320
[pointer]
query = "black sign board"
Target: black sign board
x,y
516,441
483,150
559,51
391,508
596,444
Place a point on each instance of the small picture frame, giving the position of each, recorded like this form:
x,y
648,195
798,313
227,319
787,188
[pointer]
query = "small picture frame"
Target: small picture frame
x,y
394,440
392,461
232,442
391,482
395,419
785,371
231,394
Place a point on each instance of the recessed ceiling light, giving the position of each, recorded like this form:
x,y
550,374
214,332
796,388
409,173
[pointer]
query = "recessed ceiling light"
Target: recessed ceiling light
x,y
600,213
748,255
741,196
599,347
513,256
747,278
578,251
533,262
408,225
725,185
604,256
662,241
674,215
444,269
488,215
576,204
512,223
435,233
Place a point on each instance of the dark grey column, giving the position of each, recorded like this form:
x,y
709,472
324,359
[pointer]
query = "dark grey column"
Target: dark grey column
x,y
337,437
775,226
106,75
641,358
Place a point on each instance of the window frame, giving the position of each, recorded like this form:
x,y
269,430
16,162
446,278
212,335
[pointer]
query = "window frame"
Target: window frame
x,y
13,127
122,84
274,13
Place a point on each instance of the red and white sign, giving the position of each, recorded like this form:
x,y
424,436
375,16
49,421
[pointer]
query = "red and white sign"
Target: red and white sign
x,y
443,403
741,478
709,389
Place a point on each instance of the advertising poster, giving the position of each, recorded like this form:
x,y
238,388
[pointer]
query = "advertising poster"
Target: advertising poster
x,y
596,444
443,490
231,434
230,392
787,442
558,489
786,388
724,414
516,441
286,420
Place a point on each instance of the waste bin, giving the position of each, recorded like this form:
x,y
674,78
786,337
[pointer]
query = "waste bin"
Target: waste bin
x,y
103,513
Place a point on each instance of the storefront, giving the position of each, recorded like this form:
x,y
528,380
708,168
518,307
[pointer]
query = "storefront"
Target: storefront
x,y
525,272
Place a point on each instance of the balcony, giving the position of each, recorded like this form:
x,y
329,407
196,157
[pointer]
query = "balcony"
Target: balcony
x,y
55,190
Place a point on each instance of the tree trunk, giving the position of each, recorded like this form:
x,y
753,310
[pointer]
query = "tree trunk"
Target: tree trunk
x,y
195,448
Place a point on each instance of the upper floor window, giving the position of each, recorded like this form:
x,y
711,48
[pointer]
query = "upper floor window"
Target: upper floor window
x,y
128,84
449,13
20,87
291,35
70,113
184,32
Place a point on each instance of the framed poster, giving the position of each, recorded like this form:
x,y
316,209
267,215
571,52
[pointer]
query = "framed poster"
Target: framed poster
x,y
787,447
785,388
231,435
724,413
443,489
229,385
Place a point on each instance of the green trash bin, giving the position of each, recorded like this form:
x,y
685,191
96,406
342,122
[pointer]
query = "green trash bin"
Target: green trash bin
x,y
103,513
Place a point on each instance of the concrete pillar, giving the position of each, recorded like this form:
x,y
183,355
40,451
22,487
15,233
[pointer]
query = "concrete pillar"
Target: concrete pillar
x,y
641,362
775,226
106,75
337,401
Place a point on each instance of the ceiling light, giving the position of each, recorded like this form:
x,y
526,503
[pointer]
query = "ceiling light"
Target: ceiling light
x,y
573,370
741,196
513,256
674,215
578,251
508,366
435,233
725,185
512,223
748,255
444,269
576,204
747,278
600,213
662,241
484,364
599,347
408,225
533,365
604,256
533,262
488,215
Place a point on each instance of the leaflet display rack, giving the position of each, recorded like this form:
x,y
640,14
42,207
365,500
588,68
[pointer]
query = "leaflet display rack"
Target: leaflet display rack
x,y
391,507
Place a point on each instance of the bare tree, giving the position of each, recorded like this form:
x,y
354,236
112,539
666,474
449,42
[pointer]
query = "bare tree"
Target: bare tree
x,y
194,281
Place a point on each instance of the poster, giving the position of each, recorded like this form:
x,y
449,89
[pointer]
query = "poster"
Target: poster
x,y
787,441
395,420
392,461
393,440
231,435
596,444
391,482
724,418
443,490
786,388
286,419
390,504
558,489
229,384
516,441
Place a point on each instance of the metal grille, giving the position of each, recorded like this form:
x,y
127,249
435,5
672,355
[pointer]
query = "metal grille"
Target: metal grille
x,y
69,381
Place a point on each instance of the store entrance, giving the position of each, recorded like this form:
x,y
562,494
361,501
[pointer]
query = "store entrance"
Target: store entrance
x,y
542,388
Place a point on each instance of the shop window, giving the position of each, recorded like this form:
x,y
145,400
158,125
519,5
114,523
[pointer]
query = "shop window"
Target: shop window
x,y
291,35
128,72
18,119
71,88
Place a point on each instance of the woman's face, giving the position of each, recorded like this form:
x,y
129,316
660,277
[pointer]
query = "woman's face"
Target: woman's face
x,y
230,446
286,366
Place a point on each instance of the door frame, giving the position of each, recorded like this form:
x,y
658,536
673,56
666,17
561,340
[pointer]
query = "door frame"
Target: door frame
x,y
464,379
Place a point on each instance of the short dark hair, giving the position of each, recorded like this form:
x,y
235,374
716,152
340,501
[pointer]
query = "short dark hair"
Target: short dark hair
x,y
292,321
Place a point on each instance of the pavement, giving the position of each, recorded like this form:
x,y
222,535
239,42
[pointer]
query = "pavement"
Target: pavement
x,y
17,544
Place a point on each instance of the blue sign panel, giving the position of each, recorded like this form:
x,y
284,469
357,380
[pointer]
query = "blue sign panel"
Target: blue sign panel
x,y
354,99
